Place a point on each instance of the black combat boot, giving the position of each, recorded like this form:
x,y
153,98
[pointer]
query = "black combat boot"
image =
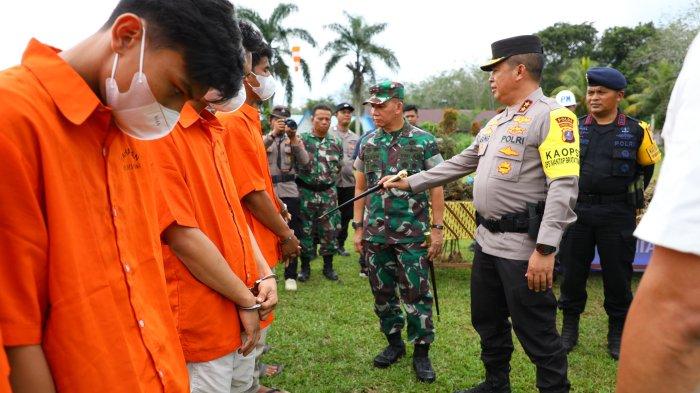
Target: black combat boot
x,y
392,353
328,268
498,382
569,331
421,363
305,271
615,337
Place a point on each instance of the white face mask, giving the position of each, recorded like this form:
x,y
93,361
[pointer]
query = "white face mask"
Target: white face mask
x,y
136,111
232,105
267,86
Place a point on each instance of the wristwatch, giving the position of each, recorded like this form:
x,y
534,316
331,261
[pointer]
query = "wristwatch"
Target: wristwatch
x,y
544,249
437,226
356,225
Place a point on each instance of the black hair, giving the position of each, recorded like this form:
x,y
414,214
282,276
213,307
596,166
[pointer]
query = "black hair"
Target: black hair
x,y
410,107
204,30
254,42
320,107
265,51
533,62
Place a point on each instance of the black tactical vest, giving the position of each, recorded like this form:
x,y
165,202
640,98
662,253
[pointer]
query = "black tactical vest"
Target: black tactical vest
x,y
608,159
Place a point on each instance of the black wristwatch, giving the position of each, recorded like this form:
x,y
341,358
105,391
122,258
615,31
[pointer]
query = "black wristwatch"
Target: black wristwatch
x,y
544,249
437,226
356,225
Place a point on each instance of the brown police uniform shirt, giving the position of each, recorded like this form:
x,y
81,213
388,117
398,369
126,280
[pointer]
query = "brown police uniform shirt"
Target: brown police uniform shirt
x,y
527,153
349,139
283,159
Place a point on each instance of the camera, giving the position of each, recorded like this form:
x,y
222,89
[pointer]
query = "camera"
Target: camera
x,y
291,124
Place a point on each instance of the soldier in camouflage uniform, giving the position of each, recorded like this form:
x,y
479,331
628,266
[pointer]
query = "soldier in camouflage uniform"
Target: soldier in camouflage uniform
x,y
391,226
317,192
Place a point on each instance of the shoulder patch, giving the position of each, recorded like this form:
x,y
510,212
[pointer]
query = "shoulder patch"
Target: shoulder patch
x,y
559,151
648,152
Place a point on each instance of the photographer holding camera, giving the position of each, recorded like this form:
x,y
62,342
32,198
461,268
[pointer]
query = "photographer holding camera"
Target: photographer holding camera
x,y
285,153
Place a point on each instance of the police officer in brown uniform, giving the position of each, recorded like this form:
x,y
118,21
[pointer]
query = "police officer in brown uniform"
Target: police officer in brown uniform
x,y
285,153
527,164
346,183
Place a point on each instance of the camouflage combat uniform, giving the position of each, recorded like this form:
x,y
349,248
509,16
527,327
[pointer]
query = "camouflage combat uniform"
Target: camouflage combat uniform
x,y
395,223
323,169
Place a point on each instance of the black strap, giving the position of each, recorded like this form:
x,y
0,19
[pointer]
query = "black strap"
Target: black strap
x,y
279,154
313,187
283,178
596,199
511,222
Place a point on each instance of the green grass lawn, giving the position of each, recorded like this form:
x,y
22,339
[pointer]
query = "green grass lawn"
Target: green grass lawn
x,y
326,336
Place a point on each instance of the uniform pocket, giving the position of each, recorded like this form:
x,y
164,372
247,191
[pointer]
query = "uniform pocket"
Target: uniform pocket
x,y
411,159
508,162
287,154
623,162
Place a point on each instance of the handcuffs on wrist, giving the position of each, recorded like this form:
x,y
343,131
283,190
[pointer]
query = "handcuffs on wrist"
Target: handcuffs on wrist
x,y
256,287
254,307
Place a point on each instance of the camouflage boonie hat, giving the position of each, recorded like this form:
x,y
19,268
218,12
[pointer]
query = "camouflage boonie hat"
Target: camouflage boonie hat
x,y
384,91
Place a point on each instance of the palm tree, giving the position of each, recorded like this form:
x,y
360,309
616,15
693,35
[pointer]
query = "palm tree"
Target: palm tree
x,y
656,87
278,38
355,42
574,78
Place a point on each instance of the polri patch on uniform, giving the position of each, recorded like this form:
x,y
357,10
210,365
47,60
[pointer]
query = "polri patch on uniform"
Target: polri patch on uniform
x,y
567,128
504,167
525,106
509,151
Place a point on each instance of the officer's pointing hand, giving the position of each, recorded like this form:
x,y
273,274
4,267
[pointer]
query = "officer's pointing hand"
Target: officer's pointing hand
x,y
401,184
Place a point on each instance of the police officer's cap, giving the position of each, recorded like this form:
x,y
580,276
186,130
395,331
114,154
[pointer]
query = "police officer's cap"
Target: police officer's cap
x,y
344,105
280,112
503,49
606,77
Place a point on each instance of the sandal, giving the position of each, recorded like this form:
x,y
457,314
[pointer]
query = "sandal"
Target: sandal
x,y
266,370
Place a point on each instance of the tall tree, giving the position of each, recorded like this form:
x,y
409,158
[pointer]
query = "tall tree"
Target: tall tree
x,y
574,78
278,37
618,42
464,88
670,42
656,86
355,42
562,42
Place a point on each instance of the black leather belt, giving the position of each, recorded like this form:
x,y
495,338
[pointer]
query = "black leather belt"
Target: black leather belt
x,y
601,198
313,187
283,178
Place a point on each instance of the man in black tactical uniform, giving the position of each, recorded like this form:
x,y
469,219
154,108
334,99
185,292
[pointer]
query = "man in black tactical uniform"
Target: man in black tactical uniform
x,y
618,155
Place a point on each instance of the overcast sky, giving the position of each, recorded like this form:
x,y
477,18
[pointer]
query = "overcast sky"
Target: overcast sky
x,y
427,36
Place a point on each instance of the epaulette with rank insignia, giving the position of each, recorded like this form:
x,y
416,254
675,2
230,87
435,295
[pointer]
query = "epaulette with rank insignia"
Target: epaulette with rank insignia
x,y
525,106
621,120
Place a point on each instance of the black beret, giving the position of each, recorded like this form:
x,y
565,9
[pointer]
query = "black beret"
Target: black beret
x,y
344,105
606,77
503,49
